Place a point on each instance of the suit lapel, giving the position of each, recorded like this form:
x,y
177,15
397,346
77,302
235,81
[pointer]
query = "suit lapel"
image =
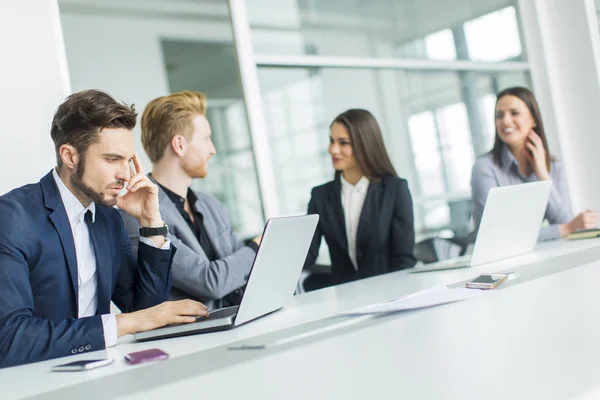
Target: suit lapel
x,y
209,227
176,223
58,216
370,212
336,210
98,232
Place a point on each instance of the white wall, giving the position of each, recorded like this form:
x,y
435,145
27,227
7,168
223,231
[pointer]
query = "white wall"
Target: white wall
x,y
563,45
33,82
123,56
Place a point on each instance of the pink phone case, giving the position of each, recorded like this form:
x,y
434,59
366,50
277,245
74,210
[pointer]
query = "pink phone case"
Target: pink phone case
x,y
140,357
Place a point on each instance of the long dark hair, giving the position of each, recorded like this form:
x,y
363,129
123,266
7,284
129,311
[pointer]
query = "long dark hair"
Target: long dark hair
x,y
529,99
367,143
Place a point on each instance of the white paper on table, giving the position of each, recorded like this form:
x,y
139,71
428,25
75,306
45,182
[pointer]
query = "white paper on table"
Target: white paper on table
x,y
439,294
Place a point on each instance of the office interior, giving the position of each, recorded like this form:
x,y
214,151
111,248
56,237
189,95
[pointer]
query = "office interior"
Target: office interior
x,y
428,72
276,72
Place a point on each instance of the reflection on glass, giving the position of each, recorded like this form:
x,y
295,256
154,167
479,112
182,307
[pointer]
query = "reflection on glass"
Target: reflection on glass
x,y
437,214
430,128
387,28
440,45
457,149
504,44
487,102
422,132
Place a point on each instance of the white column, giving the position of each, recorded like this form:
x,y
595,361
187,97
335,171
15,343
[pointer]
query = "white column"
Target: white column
x,y
563,46
254,108
34,80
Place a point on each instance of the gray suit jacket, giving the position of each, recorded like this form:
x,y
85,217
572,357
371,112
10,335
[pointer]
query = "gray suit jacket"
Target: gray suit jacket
x,y
194,276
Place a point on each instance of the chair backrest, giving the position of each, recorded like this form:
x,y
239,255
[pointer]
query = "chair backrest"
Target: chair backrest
x,y
437,249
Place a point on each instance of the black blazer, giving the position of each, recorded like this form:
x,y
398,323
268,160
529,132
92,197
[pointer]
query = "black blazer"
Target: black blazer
x,y
385,238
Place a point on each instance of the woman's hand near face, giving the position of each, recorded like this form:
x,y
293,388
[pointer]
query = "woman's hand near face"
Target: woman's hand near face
x,y
536,155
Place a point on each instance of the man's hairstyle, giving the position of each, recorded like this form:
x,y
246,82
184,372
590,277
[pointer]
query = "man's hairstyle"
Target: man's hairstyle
x,y
168,116
79,120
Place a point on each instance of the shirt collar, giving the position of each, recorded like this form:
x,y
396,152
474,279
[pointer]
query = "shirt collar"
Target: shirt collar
x,y
73,207
177,199
361,186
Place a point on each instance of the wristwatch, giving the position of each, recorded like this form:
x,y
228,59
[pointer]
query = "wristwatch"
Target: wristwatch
x,y
148,232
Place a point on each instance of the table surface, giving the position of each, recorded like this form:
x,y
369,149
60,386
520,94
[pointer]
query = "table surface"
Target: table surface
x,y
521,340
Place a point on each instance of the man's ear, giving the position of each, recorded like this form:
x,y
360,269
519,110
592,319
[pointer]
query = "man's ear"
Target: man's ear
x,y
69,156
179,145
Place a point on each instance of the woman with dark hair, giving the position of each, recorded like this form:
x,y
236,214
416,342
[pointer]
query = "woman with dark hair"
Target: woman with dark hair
x,y
366,212
520,154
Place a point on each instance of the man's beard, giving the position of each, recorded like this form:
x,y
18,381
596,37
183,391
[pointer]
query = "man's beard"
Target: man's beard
x,y
96,197
195,170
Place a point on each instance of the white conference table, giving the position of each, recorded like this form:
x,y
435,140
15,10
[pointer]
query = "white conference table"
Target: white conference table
x,y
430,353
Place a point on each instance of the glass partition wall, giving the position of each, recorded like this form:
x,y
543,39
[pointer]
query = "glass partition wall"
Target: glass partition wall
x,y
429,78
277,72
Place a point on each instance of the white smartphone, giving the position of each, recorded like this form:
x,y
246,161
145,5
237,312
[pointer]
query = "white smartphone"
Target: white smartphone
x,y
487,281
82,365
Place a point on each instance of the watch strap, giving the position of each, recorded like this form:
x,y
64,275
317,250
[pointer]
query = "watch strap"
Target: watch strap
x,y
161,231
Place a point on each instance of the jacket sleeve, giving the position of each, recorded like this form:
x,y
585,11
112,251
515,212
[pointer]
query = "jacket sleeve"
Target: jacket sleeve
x,y
210,280
313,251
144,281
482,180
25,338
194,274
403,229
559,206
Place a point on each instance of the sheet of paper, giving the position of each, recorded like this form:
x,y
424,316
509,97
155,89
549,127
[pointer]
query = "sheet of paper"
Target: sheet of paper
x,y
439,294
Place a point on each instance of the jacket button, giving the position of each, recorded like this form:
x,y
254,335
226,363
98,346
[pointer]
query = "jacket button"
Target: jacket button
x,y
88,347
81,349
73,351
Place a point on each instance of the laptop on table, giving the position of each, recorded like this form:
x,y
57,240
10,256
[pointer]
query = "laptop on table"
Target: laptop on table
x,y
510,226
271,283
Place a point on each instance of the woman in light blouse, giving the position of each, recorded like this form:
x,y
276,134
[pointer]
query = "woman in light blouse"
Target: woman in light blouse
x,y
520,154
366,212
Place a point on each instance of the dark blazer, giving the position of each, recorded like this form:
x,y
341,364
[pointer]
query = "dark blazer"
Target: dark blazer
x,y
385,238
38,276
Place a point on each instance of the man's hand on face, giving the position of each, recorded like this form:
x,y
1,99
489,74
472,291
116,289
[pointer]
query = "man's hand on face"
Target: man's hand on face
x,y
141,200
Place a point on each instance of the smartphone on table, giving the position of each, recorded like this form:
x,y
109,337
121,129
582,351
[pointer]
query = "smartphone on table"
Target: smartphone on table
x,y
140,357
82,365
487,281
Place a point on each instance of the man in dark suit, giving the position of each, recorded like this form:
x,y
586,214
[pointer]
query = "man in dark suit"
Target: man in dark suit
x,y
64,253
212,263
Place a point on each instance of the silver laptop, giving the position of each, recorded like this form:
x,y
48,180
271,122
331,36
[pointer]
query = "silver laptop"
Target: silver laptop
x,y
271,283
509,227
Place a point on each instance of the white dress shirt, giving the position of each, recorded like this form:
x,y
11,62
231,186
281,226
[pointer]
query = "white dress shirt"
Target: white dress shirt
x,y
86,259
353,198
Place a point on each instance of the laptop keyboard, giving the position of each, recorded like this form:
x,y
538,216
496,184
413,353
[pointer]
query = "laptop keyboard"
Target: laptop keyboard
x,y
220,313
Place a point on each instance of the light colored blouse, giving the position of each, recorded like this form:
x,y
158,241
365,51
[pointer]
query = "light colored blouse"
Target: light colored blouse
x,y
353,199
487,175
